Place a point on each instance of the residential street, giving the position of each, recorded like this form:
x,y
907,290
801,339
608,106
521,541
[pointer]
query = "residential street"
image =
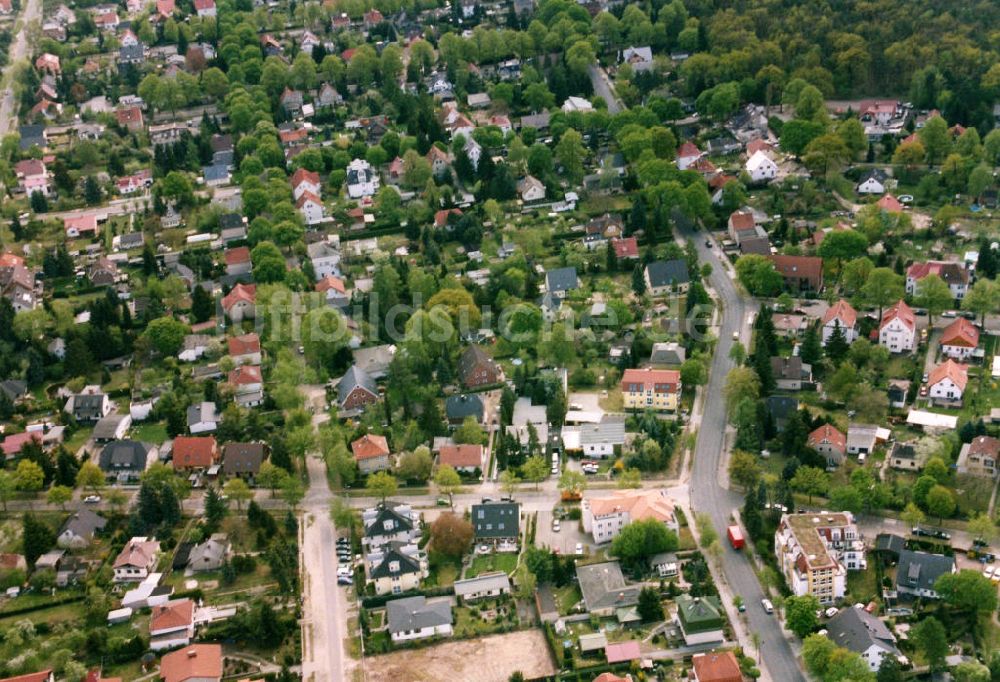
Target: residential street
x,y
603,87
18,51
707,493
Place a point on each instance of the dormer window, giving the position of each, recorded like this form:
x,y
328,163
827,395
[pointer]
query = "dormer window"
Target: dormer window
x,y
388,525
394,567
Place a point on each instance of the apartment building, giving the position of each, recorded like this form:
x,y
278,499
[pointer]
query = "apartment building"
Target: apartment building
x,y
605,516
815,551
651,389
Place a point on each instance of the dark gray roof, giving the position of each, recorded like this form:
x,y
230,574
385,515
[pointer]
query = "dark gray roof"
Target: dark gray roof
x,y
14,388
131,240
782,406
124,455
87,406
107,427
539,121
386,513
416,613
223,158
84,524
218,172
459,407
888,542
790,368
230,220
496,519
242,458
920,570
395,563
876,173
666,272
858,630
354,377
561,279
131,53
31,135
603,586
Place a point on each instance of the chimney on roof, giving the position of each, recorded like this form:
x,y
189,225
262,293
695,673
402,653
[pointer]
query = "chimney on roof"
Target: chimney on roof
x,y
192,652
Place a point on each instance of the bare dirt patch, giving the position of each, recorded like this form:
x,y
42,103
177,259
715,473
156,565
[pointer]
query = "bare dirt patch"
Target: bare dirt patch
x,y
487,659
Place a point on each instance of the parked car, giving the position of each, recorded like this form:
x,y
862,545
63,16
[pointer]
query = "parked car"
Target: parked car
x,y
555,526
579,548
92,499
344,580
768,606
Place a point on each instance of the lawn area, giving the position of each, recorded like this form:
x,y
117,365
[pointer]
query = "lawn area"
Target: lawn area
x,y
443,573
78,439
497,561
973,493
862,586
613,402
567,597
468,622
65,613
150,432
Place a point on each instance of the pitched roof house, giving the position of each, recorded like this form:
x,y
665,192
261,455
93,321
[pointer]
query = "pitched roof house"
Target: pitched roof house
x,y
916,572
898,328
960,339
716,666
466,457
859,631
801,273
194,663
372,453
195,452
356,389
136,560
829,442
947,381
843,315
476,368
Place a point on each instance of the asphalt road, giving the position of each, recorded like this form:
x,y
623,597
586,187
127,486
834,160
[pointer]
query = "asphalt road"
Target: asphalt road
x,y
18,51
706,491
602,87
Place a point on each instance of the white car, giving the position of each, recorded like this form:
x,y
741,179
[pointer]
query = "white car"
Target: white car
x,y
768,606
92,499
579,548
988,572
555,526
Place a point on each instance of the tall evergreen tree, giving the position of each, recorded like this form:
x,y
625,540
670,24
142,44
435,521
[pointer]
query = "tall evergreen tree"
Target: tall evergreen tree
x,y
811,350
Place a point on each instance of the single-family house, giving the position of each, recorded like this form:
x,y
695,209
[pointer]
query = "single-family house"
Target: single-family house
x,y
243,459
872,182
981,457
639,58
604,514
195,453
604,589
305,181
193,663
171,625
136,560
688,154
960,339
716,666
111,427
457,408
476,368
335,291
854,629
210,554
465,458
916,572
126,460
954,274
244,349
907,457
561,280
90,406
496,522
667,276
311,208
830,443
898,329
203,417
802,274
356,389
483,586
840,315
79,529
412,618
531,189
700,619
791,374
761,168
362,179
325,259
371,452
240,303
238,261
205,8
947,382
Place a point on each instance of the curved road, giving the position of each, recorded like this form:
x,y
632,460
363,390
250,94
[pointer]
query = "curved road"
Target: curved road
x,y
707,493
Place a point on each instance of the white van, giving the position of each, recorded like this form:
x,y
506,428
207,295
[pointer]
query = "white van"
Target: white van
x,y
768,606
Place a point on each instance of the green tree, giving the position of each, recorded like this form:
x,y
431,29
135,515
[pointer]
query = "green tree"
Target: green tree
x,y
741,383
816,653
451,535
935,138
842,245
846,498
36,537
882,288
982,527
967,590
90,477
744,469
416,465
8,486
930,638
59,494
215,509
382,484
166,335
810,480
694,372
570,154
236,489
447,479
202,305
800,614
292,491
971,671
470,432
535,469
509,481
758,275
572,482
940,502
650,608
982,298
28,477
640,540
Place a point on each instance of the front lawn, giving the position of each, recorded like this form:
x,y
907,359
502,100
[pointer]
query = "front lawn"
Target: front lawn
x,y
150,432
496,561
567,597
862,586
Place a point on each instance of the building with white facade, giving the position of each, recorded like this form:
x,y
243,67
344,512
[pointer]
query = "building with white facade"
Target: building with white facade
x,y
605,516
815,551
362,180
898,329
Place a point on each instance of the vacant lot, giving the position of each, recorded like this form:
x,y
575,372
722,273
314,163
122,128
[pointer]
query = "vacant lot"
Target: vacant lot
x,y
487,659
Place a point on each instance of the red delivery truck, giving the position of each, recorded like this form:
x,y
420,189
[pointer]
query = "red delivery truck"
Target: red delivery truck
x,y
735,537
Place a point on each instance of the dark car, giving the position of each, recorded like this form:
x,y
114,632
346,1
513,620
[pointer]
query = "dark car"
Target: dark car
x,y
920,532
979,542
969,315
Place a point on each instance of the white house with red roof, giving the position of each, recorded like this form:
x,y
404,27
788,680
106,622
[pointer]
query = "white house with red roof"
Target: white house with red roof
x,y
960,339
334,289
626,247
240,303
687,154
465,458
311,208
880,111
947,381
205,8
898,329
136,560
238,261
247,384
48,63
107,21
828,441
953,273
305,181
843,315
80,225
372,453
502,122
32,176
130,184
244,349
171,625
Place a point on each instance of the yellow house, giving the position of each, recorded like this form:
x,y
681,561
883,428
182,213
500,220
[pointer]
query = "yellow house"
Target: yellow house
x,y
399,568
651,389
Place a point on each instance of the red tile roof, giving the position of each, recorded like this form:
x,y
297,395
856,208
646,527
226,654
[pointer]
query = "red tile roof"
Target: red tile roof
x,y
13,443
40,676
755,146
688,150
331,282
622,651
890,204
238,256
307,196
962,333
949,369
461,455
741,220
802,267
659,380
240,292
441,217
245,375
626,248
828,434
717,667
195,451
901,311
302,175
246,343
201,661
172,615
370,445
843,311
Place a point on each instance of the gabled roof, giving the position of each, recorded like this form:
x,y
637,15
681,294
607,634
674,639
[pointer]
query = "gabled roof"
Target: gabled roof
x,y
857,630
660,380
330,282
961,332
244,344
842,311
386,512
83,523
461,456
464,405
238,255
561,279
716,666
172,615
627,247
900,311
802,267
128,455
302,175
194,451
920,570
355,377
197,661
245,375
240,293
370,445
242,458
665,273
603,586
949,369
828,434
40,676
139,552
395,563
688,150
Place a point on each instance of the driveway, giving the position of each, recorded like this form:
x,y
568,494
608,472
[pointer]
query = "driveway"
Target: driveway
x,y
565,540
